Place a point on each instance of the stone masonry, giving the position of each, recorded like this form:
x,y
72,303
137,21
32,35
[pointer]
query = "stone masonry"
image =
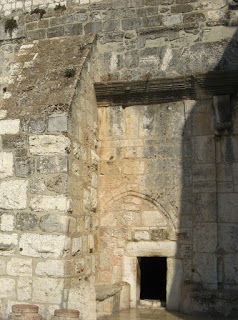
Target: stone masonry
x,y
89,185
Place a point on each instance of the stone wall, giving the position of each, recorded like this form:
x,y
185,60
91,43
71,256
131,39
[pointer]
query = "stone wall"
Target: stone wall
x,y
168,188
136,39
168,172
48,175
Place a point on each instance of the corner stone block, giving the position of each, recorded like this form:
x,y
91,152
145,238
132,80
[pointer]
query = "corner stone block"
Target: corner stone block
x,y
9,126
44,246
13,194
48,144
6,164
50,203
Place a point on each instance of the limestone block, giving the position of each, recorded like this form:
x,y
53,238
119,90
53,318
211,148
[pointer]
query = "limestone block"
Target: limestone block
x,y
83,298
205,207
53,268
8,243
2,267
7,288
44,246
174,283
26,221
48,144
9,126
37,185
13,194
50,203
227,207
58,123
204,149
7,222
206,266
142,235
203,172
56,164
6,164
205,237
153,219
77,246
57,223
228,237
58,184
24,167
24,288
150,249
133,167
19,267
48,290
231,268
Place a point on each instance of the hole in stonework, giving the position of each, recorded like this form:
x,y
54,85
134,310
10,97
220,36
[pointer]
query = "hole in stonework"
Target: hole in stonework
x,y
153,278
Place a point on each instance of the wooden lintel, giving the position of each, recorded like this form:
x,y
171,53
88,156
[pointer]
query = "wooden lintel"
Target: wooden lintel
x,y
166,89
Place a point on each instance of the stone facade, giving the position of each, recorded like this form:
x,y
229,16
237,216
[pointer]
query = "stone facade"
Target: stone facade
x,y
86,188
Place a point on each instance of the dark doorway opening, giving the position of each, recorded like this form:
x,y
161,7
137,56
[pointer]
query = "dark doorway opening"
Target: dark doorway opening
x,y
153,278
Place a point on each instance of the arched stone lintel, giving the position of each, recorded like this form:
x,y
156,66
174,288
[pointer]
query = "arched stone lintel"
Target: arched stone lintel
x,y
159,200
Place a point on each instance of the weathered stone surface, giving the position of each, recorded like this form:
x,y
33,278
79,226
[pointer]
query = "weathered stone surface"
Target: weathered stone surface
x,y
48,144
205,237
56,223
44,246
7,222
58,123
24,288
24,167
6,164
8,243
37,185
58,184
230,268
47,290
26,221
50,203
57,164
7,288
206,266
227,207
9,126
13,194
19,267
153,219
52,268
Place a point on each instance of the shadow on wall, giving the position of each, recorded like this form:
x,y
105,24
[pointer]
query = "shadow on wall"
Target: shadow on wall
x,y
208,228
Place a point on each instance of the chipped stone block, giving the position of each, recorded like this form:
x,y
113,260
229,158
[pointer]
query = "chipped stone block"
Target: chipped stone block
x,y
50,203
48,290
13,194
48,144
6,164
9,126
44,246
34,125
77,246
19,267
8,243
58,184
7,222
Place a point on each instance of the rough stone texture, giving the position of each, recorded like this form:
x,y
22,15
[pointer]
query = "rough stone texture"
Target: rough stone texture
x,y
168,177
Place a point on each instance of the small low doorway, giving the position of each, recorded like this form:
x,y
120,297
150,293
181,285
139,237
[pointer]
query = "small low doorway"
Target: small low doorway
x,y
153,277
